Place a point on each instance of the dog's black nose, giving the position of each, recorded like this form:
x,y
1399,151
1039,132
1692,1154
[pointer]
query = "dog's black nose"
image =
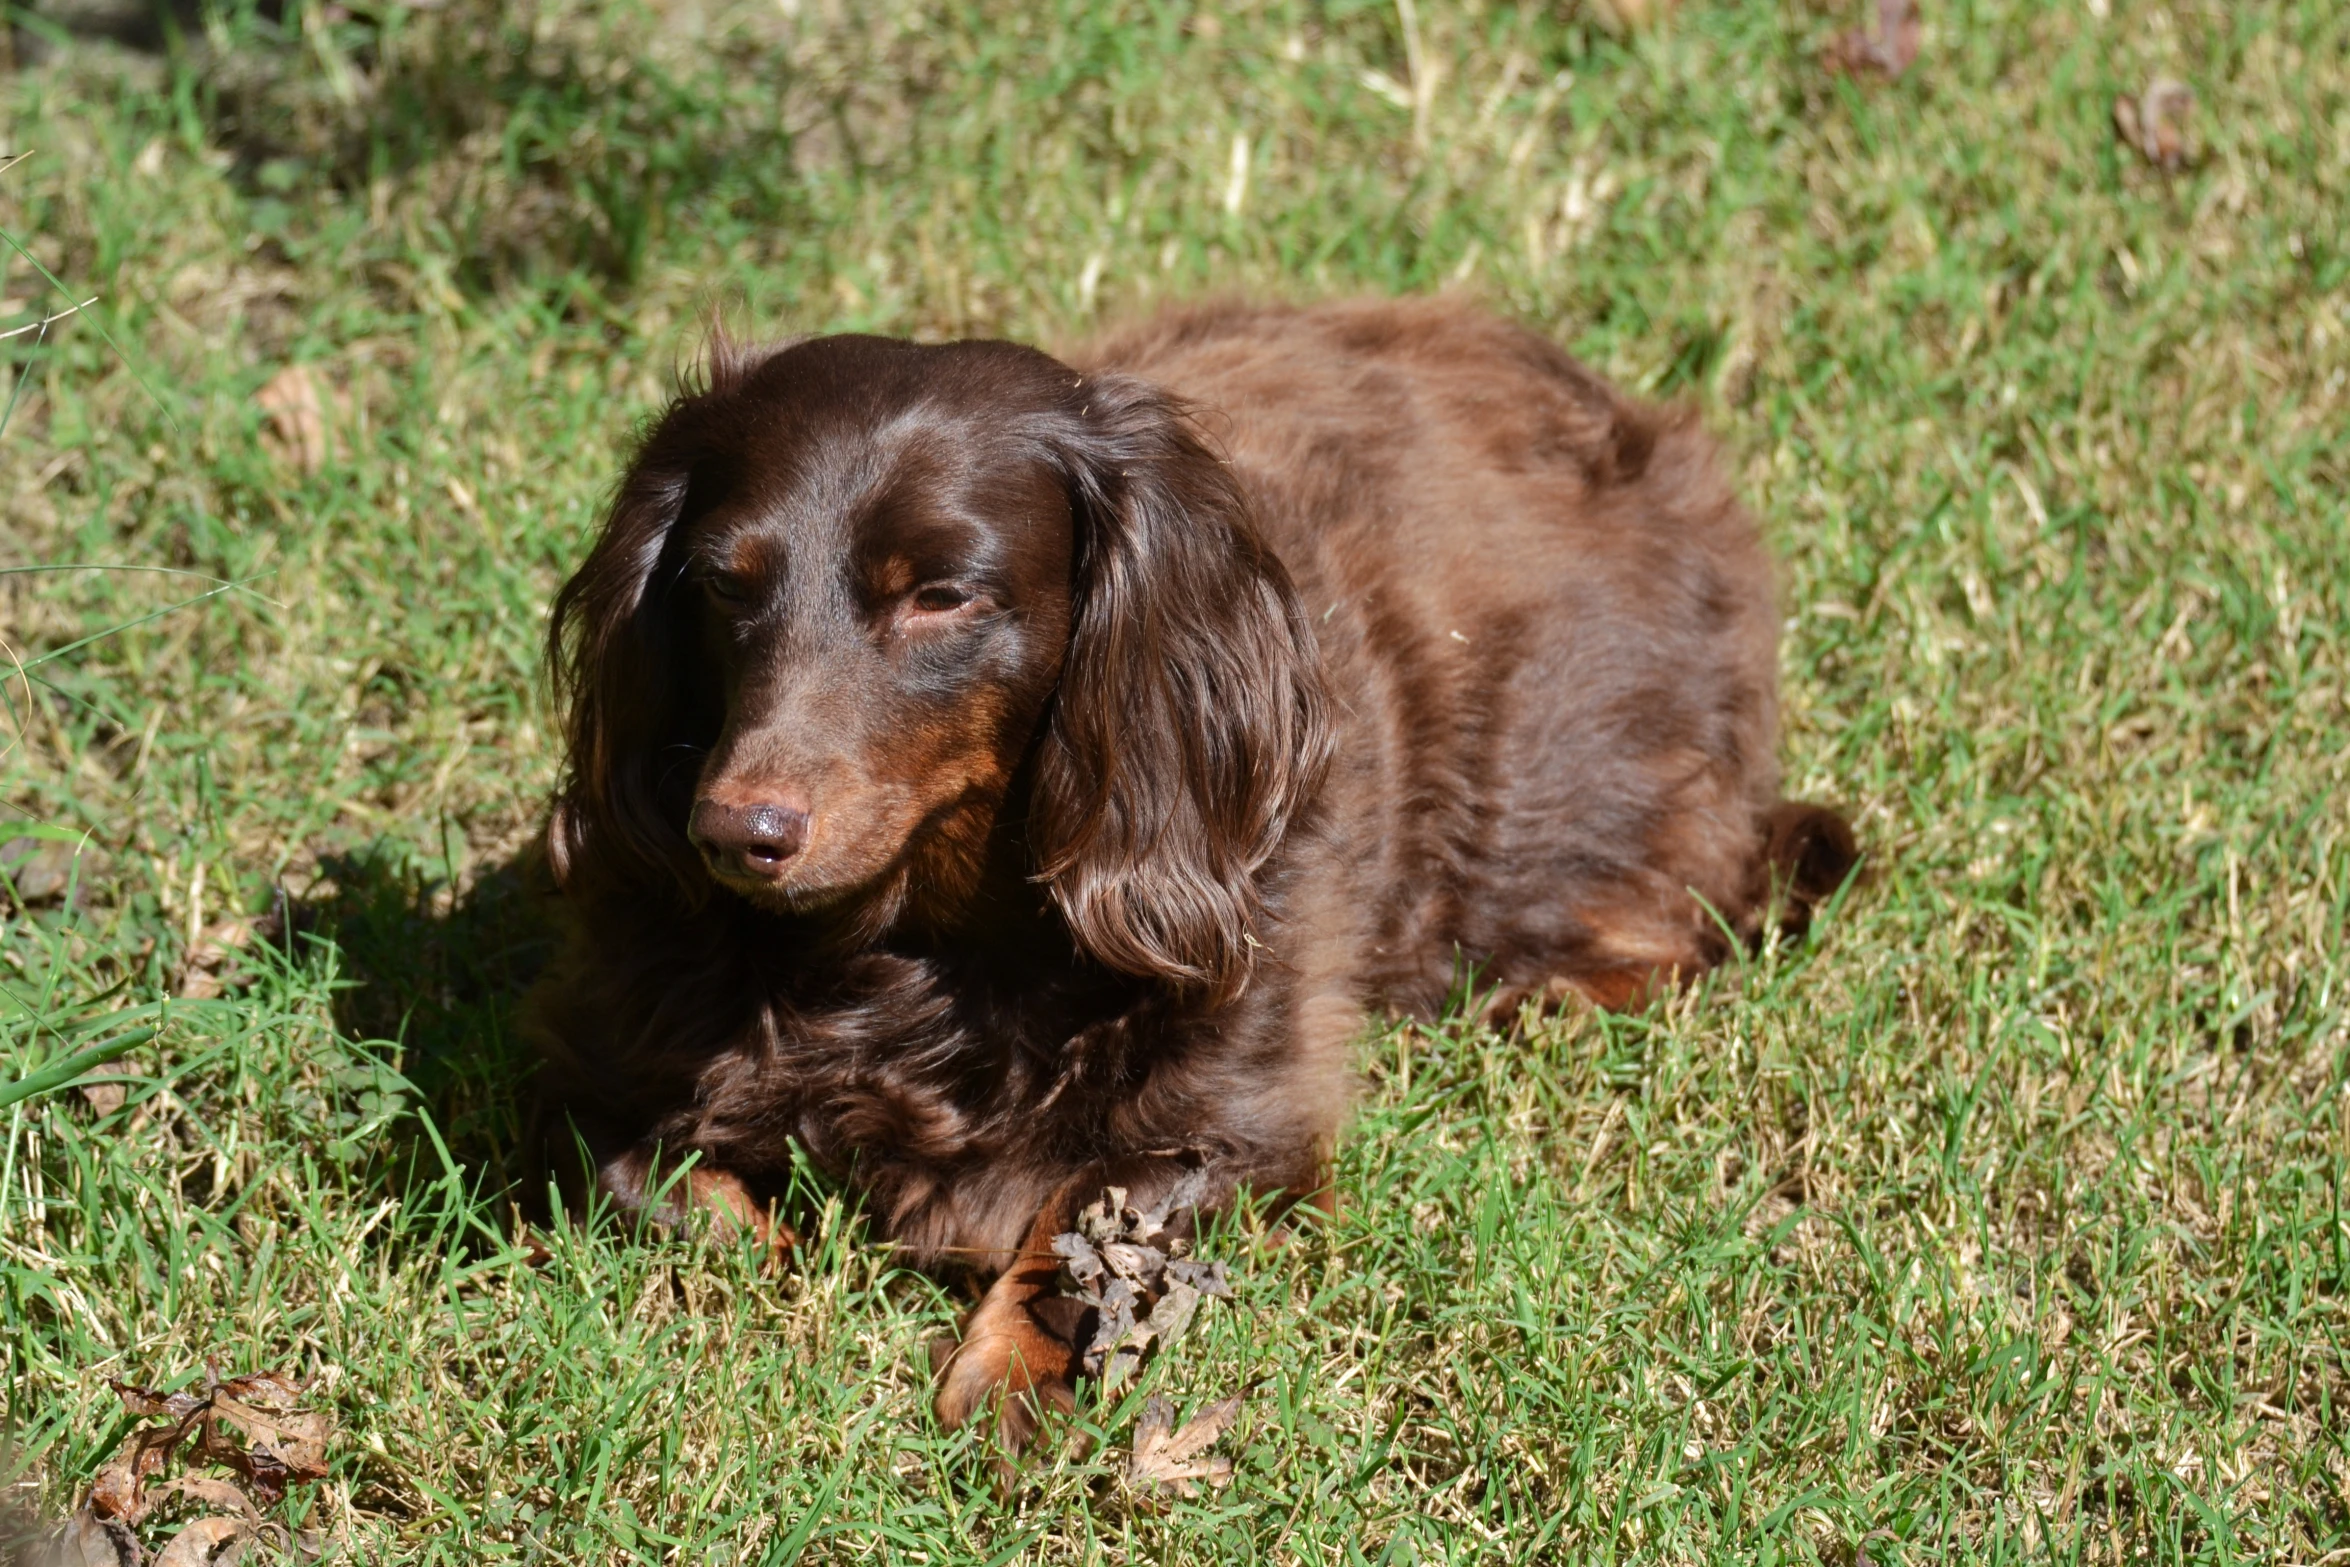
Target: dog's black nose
x,y
748,840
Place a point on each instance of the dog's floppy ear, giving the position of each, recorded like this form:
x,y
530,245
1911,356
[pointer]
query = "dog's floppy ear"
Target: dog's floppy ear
x,y
621,657
1189,729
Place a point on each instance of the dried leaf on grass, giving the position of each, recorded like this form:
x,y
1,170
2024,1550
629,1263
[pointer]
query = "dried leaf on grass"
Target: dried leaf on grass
x,y
207,1542
103,1096
211,1492
211,961
216,956
34,871
275,1443
87,1541
2155,123
120,1489
296,412
253,1425
1886,52
1131,1267
1169,1458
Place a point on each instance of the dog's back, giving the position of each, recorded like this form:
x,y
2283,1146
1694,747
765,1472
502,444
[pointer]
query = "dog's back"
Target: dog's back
x,y
1548,628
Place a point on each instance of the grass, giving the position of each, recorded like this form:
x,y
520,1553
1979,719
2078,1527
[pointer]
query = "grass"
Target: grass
x,y
2003,1221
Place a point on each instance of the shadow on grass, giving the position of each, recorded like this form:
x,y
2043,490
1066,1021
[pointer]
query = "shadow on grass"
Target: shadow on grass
x,y
443,976
33,32
542,141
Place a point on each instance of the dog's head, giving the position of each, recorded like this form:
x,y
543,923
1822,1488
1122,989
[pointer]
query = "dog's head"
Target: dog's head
x,y
852,589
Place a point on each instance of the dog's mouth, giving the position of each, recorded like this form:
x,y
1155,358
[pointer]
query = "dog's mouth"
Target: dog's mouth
x,y
798,884
785,897
827,861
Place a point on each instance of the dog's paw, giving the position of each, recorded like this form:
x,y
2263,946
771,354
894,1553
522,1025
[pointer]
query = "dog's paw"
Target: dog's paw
x,y
734,1211
1011,1369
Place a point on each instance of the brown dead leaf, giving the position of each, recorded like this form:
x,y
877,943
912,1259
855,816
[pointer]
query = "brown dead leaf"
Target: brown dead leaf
x,y
207,1542
1130,1270
1171,1317
264,1390
41,870
103,1096
151,1405
1886,52
297,417
251,1424
86,1540
120,1489
2155,123
1167,1458
211,961
211,1492
254,1427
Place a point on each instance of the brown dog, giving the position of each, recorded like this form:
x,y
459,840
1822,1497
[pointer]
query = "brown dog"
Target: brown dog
x,y
1005,778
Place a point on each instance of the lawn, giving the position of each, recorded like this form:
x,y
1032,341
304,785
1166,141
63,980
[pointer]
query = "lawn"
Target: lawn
x,y
2001,1220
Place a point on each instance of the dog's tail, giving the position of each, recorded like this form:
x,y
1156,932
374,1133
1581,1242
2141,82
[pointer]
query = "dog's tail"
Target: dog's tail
x,y
1809,853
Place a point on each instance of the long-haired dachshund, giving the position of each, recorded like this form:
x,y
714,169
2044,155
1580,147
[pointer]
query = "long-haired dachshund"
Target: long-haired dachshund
x,y
1004,777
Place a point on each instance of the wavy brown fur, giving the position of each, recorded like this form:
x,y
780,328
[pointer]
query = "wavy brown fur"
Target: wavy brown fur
x,y
1152,718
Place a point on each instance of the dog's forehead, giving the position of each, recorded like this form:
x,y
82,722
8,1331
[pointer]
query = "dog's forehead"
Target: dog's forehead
x,y
903,484
838,440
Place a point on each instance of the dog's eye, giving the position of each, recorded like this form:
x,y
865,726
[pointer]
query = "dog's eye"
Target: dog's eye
x,y
940,597
726,587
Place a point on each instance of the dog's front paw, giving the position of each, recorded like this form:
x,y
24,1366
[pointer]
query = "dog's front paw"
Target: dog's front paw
x,y
734,1211
1009,1367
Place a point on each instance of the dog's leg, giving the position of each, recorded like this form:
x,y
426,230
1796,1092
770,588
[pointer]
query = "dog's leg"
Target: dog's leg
x,y
1010,1361
632,1181
1019,1352
1809,853
1648,946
